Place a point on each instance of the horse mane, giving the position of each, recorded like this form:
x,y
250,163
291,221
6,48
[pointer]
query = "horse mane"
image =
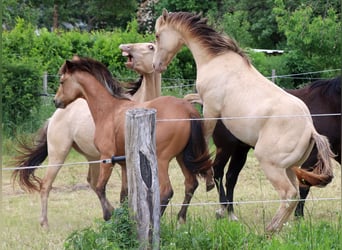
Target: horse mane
x,y
97,70
132,87
329,87
214,42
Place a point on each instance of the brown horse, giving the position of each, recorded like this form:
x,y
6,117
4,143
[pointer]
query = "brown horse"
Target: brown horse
x,y
73,127
232,90
182,139
321,97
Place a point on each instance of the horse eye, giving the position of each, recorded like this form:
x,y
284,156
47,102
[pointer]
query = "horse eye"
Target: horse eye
x,y
151,47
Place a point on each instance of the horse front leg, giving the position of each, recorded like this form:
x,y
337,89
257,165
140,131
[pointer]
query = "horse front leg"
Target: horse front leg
x,y
93,174
105,173
209,124
124,184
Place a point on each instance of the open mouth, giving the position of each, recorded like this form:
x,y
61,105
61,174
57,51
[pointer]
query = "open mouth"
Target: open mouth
x,y
130,61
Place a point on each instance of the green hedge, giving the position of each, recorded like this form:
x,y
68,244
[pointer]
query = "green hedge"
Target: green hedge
x,y
28,53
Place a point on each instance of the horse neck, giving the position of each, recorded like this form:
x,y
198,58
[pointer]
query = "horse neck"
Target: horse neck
x,y
100,101
199,53
150,88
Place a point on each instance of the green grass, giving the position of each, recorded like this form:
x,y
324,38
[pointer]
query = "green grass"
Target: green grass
x,y
75,212
204,233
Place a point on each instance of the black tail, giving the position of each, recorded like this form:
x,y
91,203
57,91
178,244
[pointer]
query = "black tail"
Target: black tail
x,y
196,155
31,155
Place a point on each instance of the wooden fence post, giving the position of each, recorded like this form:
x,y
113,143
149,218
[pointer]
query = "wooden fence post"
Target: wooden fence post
x,y
273,75
142,175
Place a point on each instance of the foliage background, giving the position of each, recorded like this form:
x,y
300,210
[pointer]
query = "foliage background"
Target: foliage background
x,y
33,42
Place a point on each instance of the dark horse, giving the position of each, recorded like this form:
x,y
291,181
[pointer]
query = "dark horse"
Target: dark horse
x,y
321,97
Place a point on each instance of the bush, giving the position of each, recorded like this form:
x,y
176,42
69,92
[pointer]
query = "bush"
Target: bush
x,y
20,95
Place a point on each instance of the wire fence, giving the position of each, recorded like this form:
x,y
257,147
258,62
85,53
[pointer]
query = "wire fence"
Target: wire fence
x,y
190,83
186,84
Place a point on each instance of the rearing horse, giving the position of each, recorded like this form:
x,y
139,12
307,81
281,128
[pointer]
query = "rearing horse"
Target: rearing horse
x,y
183,139
279,125
321,97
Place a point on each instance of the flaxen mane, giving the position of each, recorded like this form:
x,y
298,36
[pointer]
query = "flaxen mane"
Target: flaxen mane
x,y
99,71
213,41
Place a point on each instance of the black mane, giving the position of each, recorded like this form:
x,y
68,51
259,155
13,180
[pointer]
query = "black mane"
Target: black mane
x,y
328,87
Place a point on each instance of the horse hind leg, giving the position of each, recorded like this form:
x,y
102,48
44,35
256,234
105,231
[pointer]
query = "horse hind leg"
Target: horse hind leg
x,y
303,191
190,184
46,186
236,164
165,188
285,182
220,162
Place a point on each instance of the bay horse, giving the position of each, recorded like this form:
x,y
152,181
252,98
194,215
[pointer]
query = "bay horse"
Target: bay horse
x,y
321,97
73,127
183,139
279,125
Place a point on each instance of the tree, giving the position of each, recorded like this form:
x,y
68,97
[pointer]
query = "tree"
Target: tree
x,y
313,42
100,14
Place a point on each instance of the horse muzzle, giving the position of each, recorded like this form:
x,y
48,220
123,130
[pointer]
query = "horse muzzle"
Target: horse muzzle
x,y
58,104
159,67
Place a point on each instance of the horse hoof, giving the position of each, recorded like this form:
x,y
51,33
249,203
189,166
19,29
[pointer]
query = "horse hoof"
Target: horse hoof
x,y
233,217
220,213
181,221
44,225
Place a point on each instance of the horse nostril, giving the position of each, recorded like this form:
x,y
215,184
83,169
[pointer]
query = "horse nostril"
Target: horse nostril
x,y
57,103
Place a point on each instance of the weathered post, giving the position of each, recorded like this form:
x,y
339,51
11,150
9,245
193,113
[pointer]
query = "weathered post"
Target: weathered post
x,y
273,75
142,175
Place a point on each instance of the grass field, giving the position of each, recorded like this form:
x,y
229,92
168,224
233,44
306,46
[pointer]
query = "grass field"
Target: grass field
x,y
74,206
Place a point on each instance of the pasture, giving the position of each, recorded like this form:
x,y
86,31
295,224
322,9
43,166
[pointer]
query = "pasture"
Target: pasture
x,y
74,206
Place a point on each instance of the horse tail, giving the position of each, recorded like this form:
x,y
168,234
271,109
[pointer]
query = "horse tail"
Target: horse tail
x,y
322,173
196,154
31,155
193,98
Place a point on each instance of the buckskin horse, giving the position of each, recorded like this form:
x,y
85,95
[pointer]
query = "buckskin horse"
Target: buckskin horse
x,y
252,108
323,98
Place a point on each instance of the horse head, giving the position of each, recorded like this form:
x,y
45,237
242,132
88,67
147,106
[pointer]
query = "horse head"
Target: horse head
x,y
168,40
68,89
139,56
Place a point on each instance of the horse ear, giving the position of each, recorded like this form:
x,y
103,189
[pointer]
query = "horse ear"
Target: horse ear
x,y
165,14
68,65
76,58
